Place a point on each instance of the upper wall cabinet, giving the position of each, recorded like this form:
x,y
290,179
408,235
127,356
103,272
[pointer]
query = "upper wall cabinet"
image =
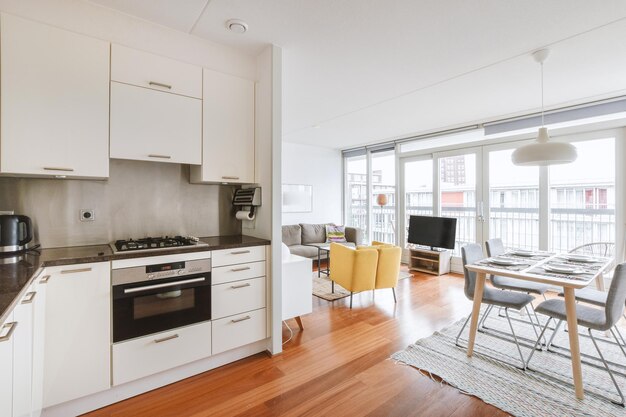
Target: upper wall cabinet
x,y
228,130
156,108
54,101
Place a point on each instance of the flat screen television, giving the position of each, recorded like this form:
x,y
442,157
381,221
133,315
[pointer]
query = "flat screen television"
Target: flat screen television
x,y
436,232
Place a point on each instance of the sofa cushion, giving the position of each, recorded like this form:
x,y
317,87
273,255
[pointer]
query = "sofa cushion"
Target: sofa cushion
x,y
292,235
335,234
306,251
313,233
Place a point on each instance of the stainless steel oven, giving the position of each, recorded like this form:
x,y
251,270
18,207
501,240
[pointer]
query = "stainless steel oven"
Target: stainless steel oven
x,y
153,298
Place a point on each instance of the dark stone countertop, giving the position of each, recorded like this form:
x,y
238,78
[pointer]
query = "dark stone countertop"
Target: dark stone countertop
x,y
18,271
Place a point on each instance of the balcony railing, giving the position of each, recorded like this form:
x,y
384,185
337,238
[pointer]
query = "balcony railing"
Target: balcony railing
x,y
517,227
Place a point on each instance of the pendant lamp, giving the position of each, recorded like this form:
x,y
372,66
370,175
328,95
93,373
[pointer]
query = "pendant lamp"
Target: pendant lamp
x,y
543,151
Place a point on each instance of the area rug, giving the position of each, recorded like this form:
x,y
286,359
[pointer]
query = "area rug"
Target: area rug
x,y
540,392
322,287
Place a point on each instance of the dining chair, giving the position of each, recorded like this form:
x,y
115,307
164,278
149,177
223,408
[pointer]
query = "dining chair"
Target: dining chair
x,y
590,295
592,318
495,248
472,253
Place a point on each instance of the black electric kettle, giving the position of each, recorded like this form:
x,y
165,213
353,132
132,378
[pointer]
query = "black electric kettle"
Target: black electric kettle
x,y
16,231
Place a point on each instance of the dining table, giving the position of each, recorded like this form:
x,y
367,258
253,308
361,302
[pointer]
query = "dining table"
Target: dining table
x,y
565,270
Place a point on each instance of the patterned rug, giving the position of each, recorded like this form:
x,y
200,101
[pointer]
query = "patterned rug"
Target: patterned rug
x,y
540,392
322,287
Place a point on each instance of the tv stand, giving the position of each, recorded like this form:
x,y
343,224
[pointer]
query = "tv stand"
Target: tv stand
x,y
430,261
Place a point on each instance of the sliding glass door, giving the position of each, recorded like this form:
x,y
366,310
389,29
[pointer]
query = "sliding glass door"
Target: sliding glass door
x,y
383,196
416,190
513,202
459,193
355,192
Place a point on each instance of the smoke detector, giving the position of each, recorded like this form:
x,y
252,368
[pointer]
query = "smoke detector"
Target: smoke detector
x,y
237,26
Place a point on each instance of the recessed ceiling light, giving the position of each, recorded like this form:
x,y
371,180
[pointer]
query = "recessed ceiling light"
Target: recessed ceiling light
x,y
237,26
316,126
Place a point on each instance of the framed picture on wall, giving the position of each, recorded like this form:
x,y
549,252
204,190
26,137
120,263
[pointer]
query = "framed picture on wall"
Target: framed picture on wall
x,y
297,198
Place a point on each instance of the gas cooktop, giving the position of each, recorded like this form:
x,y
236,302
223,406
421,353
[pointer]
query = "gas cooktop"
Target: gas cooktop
x,y
155,243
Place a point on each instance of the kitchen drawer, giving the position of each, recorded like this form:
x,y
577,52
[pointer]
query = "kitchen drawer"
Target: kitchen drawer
x,y
159,352
237,297
230,273
147,70
239,330
238,255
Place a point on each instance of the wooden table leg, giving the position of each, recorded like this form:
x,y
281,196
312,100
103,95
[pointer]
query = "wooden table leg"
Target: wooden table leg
x,y
299,321
572,328
478,298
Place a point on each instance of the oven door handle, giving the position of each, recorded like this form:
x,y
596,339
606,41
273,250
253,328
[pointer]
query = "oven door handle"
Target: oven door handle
x,y
164,285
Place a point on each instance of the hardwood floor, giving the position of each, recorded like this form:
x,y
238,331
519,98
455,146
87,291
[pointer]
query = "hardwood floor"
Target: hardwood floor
x,y
338,365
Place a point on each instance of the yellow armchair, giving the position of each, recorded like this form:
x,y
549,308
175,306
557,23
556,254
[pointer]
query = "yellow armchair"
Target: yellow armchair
x,y
354,270
388,268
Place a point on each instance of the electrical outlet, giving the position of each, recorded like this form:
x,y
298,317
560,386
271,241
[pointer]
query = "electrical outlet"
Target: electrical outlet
x,y
87,215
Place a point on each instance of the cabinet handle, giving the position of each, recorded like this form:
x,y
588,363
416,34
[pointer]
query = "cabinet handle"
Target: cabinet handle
x,y
230,178
154,155
11,327
44,279
240,252
245,268
58,169
75,271
241,319
29,297
234,287
165,339
156,84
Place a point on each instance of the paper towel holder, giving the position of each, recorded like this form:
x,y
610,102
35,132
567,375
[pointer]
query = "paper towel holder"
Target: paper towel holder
x,y
247,199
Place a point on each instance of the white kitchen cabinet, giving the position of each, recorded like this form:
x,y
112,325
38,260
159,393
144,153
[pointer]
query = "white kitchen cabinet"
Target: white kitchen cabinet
x,y
239,330
39,334
147,70
155,353
236,297
228,130
77,359
150,125
54,101
235,256
230,273
23,356
7,330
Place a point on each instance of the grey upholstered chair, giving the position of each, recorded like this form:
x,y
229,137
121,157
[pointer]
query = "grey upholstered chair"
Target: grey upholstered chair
x,y
494,248
592,318
590,295
473,253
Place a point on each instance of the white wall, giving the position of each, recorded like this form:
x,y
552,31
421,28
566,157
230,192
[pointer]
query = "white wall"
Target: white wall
x,y
100,22
268,132
321,168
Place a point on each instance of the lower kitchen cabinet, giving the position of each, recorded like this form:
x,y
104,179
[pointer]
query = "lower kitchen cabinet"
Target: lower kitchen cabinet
x,y
23,356
39,337
239,330
77,360
159,352
6,366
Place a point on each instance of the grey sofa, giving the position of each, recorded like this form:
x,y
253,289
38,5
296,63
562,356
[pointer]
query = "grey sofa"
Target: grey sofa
x,y
300,237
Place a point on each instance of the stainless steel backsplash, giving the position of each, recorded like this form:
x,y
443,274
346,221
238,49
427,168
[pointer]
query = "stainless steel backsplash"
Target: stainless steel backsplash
x,y
139,199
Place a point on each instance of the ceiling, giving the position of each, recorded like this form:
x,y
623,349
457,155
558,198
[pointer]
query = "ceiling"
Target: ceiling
x,y
363,71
